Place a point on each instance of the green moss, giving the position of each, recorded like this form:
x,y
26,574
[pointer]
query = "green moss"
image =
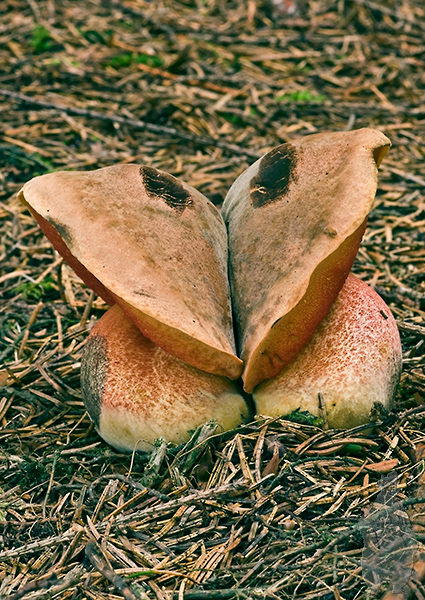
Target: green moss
x,y
234,119
41,40
302,96
35,291
304,418
129,58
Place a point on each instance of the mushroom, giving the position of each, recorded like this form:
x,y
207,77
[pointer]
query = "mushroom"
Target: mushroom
x,y
295,219
353,361
135,392
160,361
154,245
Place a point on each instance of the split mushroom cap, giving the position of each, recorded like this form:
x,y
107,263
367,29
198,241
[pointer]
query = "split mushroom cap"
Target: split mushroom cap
x,y
152,244
136,392
295,220
353,360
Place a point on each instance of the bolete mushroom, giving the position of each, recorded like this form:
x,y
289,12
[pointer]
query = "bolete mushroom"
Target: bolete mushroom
x,y
353,360
159,362
295,220
154,245
135,392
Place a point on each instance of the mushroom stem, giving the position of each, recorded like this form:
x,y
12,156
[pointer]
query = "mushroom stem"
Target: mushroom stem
x,y
352,362
135,392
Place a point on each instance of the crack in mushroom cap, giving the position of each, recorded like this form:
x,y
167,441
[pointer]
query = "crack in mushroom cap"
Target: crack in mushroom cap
x,y
295,219
135,392
151,243
353,360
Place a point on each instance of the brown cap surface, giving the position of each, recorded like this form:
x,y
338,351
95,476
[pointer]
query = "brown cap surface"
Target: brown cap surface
x,y
295,220
353,360
154,245
136,392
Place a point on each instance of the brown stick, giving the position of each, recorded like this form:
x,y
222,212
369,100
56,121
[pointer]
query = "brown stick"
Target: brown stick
x,y
95,556
136,123
51,584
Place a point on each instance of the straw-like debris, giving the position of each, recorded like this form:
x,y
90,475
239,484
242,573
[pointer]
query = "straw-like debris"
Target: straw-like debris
x,y
280,508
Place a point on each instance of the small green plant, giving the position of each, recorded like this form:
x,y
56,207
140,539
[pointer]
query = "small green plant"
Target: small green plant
x,y
234,119
54,62
34,291
129,58
41,40
48,166
303,96
353,449
303,417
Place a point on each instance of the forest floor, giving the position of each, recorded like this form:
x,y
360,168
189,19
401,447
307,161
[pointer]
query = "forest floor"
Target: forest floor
x,y
200,89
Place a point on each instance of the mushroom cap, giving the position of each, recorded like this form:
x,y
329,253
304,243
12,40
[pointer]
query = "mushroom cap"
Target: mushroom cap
x,y
151,243
135,392
295,220
353,360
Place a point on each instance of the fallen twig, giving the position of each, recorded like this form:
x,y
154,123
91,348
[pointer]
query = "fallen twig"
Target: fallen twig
x,y
161,130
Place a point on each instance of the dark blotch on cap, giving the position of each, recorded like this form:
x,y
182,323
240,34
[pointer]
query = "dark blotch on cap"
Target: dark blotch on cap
x,y
63,231
276,172
165,186
94,369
